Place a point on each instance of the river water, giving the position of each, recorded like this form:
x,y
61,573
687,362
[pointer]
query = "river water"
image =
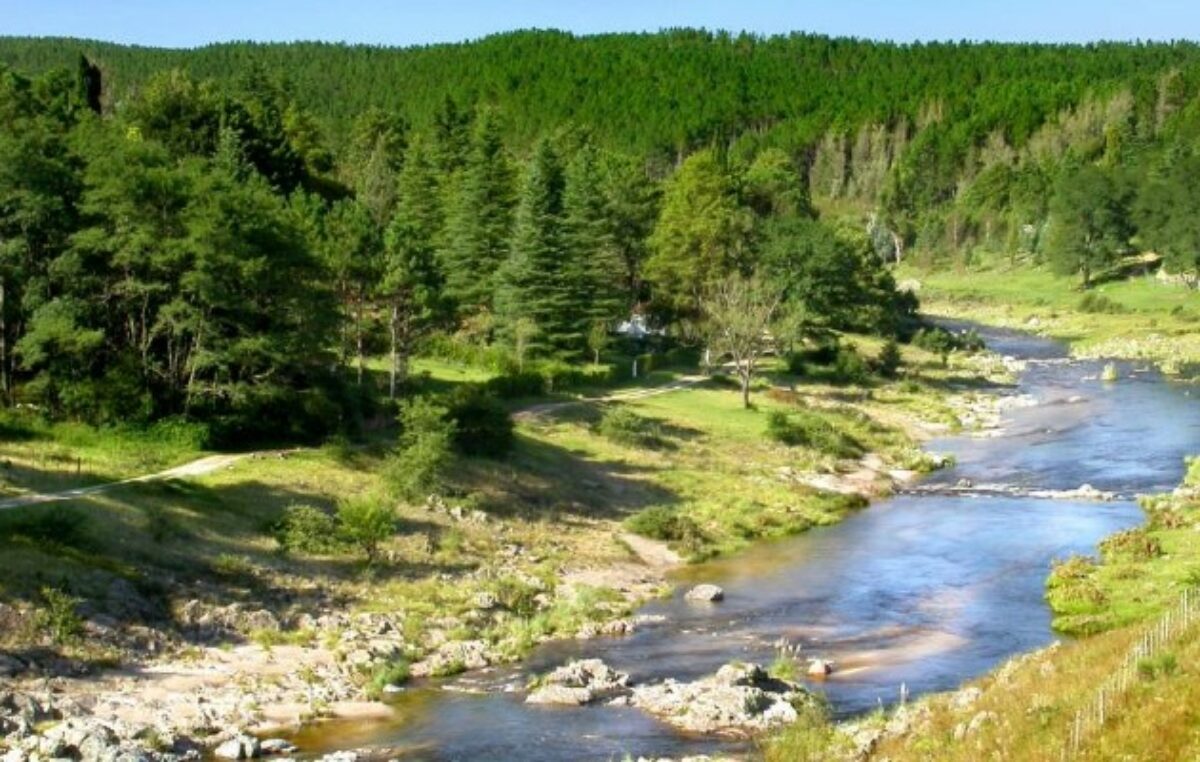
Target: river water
x,y
922,590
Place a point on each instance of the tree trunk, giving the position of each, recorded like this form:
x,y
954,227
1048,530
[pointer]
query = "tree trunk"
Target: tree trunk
x,y
745,390
4,380
395,327
358,338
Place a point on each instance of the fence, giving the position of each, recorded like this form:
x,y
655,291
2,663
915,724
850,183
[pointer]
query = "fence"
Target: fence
x,y
1108,697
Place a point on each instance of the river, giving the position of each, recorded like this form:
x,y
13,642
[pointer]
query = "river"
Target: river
x,y
922,590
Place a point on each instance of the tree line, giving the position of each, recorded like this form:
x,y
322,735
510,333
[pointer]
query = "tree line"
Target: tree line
x,y
953,150
202,251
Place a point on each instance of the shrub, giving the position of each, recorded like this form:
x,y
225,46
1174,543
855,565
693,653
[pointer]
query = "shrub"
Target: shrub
x,y
390,673
1094,303
55,525
1163,665
811,430
888,362
516,384
366,523
850,367
59,617
1072,583
795,363
667,524
424,452
232,567
306,529
1135,544
482,426
623,426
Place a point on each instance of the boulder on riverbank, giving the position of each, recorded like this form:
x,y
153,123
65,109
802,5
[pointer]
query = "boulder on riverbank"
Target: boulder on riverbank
x,y
580,682
705,594
740,699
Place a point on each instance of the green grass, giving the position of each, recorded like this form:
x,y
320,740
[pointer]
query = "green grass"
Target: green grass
x,y
1139,573
1132,318
39,456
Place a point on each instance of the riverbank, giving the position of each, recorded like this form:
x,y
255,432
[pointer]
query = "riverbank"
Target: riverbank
x,y
1026,709
1138,318
171,614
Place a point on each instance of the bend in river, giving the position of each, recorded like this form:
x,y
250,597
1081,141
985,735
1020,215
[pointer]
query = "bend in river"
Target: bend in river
x,y
925,590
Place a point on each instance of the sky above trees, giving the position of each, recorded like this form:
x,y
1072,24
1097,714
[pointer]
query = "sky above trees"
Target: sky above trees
x,y
178,23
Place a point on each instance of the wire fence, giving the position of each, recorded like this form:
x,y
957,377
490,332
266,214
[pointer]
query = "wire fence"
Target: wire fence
x,y
1109,696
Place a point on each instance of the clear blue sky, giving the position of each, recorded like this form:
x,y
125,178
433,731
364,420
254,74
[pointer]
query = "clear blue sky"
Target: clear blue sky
x,y
177,23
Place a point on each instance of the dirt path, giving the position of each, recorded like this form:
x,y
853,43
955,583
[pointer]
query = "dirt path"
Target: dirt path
x,y
198,467
210,463
625,395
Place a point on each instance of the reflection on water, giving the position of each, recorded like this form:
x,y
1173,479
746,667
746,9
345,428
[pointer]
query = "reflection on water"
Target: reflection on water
x,y
921,590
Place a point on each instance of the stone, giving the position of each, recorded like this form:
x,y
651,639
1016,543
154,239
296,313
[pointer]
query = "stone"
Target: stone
x,y
705,593
273,746
239,747
740,699
10,666
819,668
580,682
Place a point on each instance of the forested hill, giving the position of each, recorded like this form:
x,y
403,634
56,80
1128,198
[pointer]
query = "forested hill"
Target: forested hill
x,y
670,91
219,233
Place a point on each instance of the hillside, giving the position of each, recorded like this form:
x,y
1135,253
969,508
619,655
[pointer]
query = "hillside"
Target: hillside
x,y
952,147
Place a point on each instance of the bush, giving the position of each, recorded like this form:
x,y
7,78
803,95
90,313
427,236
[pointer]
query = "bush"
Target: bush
x,y
55,525
623,426
391,673
482,426
888,362
366,523
1135,544
516,384
59,617
1072,583
1163,665
811,430
667,524
941,342
424,452
1094,303
850,367
306,529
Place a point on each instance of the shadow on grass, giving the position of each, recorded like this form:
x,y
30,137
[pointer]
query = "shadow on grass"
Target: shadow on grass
x,y
542,480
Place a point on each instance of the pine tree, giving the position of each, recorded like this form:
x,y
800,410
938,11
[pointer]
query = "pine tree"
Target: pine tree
x,y
411,282
532,283
479,221
592,267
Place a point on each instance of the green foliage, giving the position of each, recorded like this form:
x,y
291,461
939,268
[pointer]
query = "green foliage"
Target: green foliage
x,y
59,617
482,425
424,452
1154,667
1089,222
1135,544
702,234
805,428
50,526
1094,303
668,524
390,673
623,426
366,522
889,360
306,529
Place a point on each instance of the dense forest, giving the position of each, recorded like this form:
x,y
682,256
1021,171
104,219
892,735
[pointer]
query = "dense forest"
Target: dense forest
x,y
229,233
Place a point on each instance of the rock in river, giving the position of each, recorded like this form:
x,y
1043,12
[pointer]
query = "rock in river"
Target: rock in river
x,y
580,682
706,593
739,700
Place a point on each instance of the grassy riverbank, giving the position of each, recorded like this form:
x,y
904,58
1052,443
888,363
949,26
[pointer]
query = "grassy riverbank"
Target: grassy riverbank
x,y
699,474
1025,710
1130,318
